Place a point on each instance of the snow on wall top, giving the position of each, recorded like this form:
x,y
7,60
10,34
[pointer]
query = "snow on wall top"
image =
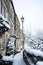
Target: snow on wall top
x,y
39,63
8,58
33,51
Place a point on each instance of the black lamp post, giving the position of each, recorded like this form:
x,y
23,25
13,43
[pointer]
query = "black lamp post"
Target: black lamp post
x,y
22,20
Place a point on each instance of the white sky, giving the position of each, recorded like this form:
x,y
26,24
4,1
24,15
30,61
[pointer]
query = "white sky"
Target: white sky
x,y
32,10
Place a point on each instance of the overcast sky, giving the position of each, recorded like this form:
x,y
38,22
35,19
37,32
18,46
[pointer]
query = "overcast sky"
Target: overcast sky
x,y
32,10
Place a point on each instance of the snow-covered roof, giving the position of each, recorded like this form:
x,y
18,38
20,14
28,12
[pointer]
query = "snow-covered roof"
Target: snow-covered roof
x,y
4,21
6,24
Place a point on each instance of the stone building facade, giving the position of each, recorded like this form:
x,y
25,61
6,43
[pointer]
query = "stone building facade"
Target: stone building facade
x,y
9,26
7,12
18,34
17,31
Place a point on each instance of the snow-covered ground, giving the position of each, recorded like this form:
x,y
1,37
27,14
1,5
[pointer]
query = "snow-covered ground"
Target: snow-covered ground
x,y
18,59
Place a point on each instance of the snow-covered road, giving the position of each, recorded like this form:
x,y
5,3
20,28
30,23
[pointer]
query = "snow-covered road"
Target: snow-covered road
x,y
18,59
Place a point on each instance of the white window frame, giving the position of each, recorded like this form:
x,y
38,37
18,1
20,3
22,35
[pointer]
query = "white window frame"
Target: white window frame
x,y
0,42
4,10
3,41
0,7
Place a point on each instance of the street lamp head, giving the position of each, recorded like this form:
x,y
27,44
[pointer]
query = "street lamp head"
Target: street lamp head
x,y
22,19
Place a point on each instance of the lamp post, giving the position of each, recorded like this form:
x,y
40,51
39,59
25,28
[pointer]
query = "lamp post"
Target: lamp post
x,y
22,20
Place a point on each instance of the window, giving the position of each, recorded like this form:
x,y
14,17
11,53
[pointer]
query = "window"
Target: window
x,y
4,10
3,41
0,42
6,15
0,6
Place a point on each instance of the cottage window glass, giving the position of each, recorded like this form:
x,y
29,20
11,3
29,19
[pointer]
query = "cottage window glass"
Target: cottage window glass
x,y
6,15
0,7
0,42
3,41
4,10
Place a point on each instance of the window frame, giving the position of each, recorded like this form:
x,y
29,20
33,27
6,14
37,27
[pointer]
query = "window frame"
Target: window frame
x,y
5,12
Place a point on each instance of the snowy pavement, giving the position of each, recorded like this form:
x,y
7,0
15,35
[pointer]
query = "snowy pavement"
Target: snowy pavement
x,y
18,59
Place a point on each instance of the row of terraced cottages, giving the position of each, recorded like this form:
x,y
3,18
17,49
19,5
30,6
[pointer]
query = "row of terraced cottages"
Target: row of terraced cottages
x,y
7,23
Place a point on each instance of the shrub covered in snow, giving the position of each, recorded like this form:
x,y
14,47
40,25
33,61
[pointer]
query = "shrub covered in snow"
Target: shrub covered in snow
x,y
7,58
9,47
